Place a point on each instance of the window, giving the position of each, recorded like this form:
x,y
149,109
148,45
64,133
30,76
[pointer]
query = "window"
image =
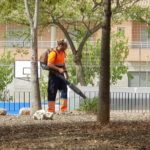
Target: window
x,y
139,79
144,38
17,38
140,35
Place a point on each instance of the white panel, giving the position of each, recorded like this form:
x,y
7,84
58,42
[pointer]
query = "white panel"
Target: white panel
x,y
23,69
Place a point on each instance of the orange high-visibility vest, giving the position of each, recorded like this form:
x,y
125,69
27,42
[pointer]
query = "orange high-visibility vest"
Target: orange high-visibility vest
x,y
57,58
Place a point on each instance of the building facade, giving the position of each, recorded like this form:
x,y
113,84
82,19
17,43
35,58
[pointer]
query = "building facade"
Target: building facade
x,y
16,37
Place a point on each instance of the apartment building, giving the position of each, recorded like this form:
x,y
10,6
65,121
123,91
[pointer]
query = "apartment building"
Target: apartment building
x,y
14,36
138,60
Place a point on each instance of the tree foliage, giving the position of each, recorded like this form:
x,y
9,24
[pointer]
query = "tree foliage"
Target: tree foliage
x,y
43,85
91,62
119,52
81,23
78,19
6,70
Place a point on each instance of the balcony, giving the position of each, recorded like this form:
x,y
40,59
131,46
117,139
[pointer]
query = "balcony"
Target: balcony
x,y
140,44
26,44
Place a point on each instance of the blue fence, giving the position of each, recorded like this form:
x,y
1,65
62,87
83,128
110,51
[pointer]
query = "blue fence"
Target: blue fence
x,y
13,107
119,101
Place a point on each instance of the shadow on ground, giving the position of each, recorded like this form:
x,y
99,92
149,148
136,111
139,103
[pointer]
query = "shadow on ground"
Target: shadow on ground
x,y
77,135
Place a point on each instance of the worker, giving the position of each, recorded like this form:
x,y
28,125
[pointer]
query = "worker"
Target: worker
x,y
56,61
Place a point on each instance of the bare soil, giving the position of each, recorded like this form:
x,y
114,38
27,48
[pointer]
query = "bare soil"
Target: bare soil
x,y
76,131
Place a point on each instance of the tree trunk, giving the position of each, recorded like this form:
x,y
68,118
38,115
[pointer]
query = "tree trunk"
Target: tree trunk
x,y
80,74
103,114
35,91
79,69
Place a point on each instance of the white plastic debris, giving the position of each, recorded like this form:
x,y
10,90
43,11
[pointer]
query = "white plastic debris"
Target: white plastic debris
x,y
42,115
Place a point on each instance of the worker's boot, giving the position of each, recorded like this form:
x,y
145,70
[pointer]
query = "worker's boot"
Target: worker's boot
x,y
51,106
63,106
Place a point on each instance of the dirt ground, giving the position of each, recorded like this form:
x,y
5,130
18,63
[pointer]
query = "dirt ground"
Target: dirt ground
x,y
76,131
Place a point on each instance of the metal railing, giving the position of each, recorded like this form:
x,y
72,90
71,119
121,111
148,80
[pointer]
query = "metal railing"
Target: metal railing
x,y
26,44
48,44
130,102
119,101
139,44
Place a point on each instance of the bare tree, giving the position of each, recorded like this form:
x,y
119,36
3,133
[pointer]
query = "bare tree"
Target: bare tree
x,y
33,20
103,114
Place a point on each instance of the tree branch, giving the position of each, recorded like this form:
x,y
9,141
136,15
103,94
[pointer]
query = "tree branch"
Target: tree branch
x,y
121,8
66,35
96,4
87,35
28,12
36,13
85,23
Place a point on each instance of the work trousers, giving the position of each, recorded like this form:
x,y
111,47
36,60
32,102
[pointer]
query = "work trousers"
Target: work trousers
x,y
55,84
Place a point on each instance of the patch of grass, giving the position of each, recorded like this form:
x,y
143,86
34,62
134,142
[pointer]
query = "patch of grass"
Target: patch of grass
x,y
89,105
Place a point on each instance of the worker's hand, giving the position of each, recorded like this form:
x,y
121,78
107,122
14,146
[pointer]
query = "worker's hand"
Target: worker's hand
x,y
61,70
